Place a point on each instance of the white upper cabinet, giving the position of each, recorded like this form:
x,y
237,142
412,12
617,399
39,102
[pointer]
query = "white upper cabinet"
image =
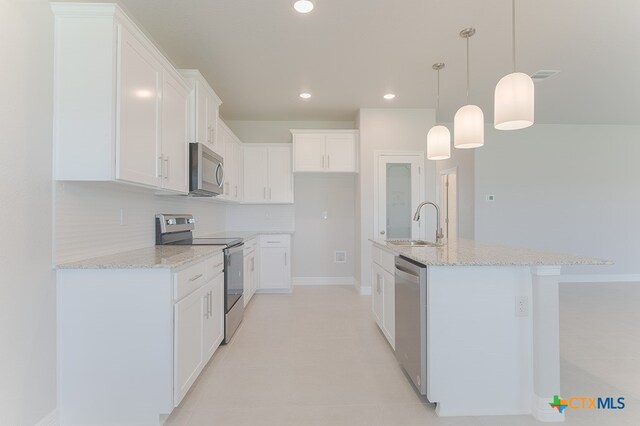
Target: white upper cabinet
x,y
204,106
268,177
230,149
325,151
175,155
120,106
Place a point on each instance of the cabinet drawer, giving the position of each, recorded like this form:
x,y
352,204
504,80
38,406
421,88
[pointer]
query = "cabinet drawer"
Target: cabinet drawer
x,y
250,246
194,277
383,258
276,240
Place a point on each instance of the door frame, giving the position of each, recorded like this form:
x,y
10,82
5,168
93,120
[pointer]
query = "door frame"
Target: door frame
x,y
376,181
445,172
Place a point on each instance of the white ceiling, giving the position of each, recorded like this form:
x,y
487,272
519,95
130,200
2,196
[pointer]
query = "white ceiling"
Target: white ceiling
x,y
259,54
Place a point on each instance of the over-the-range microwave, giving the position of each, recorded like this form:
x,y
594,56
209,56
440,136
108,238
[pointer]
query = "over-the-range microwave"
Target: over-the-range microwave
x,y
206,171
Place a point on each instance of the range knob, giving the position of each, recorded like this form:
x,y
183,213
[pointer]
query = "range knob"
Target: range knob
x,y
192,220
171,221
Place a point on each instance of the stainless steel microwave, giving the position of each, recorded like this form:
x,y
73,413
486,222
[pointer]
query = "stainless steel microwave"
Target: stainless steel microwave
x,y
206,171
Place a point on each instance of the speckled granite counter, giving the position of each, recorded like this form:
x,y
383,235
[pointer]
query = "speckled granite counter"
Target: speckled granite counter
x,y
463,252
244,235
149,257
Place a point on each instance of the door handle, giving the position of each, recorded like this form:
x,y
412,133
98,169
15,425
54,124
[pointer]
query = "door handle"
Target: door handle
x,y
382,232
195,277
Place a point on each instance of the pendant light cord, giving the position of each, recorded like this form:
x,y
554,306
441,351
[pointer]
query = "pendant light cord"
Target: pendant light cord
x,y
467,70
513,31
438,100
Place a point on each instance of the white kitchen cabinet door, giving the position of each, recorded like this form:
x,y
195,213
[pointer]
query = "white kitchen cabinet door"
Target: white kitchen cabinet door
x,y
211,117
188,360
340,151
213,300
377,293
280,177
174,134
255,173
138,148
275,269
309,153
389,307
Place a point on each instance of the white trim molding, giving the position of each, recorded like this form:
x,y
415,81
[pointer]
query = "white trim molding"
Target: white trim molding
x,y
50,419
324,281
599,278
365,291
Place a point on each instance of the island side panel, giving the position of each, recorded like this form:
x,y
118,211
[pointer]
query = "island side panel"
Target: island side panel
x,y
479,354
546,342
115,345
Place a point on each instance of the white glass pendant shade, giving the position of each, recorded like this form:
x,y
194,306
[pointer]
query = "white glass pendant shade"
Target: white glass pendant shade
x,y
438,143
303,6
514,99
468,127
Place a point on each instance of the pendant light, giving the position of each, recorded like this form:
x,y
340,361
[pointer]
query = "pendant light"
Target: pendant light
x,y
468,123
514,96
439,137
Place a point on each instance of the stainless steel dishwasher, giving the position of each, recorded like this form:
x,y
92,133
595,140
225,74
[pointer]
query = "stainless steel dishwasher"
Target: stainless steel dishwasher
x,y
411,320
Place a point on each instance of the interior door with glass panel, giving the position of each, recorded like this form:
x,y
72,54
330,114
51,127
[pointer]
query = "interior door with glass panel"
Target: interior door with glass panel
x,y
399,190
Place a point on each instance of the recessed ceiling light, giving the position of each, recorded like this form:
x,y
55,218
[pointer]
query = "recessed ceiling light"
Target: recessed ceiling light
x,y
305,95
303,6
389,96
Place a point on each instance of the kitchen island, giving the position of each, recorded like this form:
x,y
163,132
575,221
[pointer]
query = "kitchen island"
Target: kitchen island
x,y
492,332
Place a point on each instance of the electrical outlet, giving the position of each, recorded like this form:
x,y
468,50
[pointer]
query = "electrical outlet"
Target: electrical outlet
x,y
340,256
491,197
522,306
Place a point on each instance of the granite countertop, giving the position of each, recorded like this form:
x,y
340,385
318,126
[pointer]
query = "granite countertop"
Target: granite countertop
x,y
243,235
463,252
148,257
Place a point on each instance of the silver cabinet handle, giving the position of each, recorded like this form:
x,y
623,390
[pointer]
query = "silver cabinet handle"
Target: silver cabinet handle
x,y
323,161
160,167
166,162
210,302
236,189
269,193
195,278
285,258
328,161
264,192
206,304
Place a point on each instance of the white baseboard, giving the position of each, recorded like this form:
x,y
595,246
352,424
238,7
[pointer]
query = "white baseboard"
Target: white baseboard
x,y
599,278
323,281
365,291
50,419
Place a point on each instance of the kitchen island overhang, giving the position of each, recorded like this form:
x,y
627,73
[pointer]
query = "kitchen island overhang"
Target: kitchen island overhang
x,y
493,343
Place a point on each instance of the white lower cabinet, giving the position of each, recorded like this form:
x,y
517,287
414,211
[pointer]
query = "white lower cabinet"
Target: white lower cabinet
x,y
275,263
131,342
383,293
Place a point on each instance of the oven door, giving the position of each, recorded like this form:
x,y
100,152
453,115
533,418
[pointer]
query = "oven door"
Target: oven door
x,y
206,171
233,275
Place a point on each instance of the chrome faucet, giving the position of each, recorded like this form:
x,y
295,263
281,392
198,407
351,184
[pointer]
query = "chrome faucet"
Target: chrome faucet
x,y
416,217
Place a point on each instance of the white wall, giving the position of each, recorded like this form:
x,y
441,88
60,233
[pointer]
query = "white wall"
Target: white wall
x,y
317,238
389,130
570,188
312,250
27,288
278,131
88,218
464,162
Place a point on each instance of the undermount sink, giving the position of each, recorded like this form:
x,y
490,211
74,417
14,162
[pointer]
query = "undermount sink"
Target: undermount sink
x,y
413,243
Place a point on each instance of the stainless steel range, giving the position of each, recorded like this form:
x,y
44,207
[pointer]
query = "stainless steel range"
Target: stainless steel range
x,y
177,229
